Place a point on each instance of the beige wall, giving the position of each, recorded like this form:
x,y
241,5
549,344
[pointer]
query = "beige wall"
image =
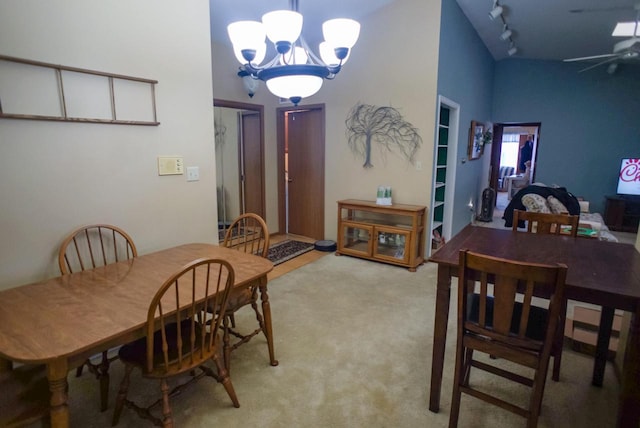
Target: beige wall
x,y
379,72
57,176
228,86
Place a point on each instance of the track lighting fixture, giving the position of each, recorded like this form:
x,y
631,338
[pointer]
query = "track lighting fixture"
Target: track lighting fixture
x,y
506,33
512,50
496,11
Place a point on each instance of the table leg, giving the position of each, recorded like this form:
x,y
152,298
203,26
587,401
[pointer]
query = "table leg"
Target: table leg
x,y
443,295
629,403
57,375
266,312
5,365
602,345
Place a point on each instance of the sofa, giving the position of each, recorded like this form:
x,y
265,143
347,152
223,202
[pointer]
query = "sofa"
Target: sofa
x,y
504,171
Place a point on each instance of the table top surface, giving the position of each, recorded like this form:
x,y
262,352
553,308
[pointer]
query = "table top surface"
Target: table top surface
x,y
602,273
94,309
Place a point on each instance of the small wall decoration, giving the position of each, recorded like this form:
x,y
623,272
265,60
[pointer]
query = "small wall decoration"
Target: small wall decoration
x,y
384,125
476,142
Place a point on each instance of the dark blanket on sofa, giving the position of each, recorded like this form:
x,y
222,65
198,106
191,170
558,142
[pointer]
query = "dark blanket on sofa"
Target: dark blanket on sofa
x,y
567,199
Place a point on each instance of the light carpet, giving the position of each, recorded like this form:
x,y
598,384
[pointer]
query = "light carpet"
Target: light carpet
x,y
354,341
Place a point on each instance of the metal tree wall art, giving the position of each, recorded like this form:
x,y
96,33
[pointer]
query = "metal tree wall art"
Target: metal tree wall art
x,y
384,125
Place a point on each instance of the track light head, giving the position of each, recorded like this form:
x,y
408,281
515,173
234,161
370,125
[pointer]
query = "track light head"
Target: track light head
x,y
512,50
506,34
495,12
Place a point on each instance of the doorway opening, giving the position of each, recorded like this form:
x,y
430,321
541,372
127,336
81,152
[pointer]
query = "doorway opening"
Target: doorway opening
x,y
301,148
239,151
513,159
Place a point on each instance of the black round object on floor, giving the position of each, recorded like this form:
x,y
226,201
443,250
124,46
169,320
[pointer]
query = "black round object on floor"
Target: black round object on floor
x,y
325,245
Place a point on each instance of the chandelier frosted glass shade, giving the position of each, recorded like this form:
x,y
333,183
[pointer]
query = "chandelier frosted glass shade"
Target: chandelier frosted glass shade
x,y
282,25
295,72
290,87
341,32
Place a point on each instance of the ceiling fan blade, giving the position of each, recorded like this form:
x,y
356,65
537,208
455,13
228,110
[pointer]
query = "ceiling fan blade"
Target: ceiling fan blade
x,y
599,64
585,58
601,9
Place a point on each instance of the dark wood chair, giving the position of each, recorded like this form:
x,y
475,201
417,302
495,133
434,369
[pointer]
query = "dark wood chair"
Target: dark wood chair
x,y
492,320
24,396
556,224
247,233
90,247
547,223
179,338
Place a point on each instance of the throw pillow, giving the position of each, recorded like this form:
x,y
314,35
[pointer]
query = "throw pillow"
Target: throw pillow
x,y
556,206
535,203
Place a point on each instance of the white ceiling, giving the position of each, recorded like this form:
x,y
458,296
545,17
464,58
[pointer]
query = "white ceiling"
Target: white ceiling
x,y
315,12
547,29
543,29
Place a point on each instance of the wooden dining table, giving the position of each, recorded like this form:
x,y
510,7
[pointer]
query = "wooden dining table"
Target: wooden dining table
x,y
601,273
62,321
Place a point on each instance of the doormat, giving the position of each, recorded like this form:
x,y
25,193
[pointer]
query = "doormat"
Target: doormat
x,y
287,250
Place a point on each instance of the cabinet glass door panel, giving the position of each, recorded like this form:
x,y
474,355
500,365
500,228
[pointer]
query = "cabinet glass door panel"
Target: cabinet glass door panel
x,y
391,244
356,239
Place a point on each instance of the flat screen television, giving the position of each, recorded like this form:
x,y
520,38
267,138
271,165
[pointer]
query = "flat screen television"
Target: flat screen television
x,y
629,177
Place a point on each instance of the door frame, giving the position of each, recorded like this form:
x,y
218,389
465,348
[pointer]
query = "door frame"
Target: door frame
x,y
496,149
452,155
260,109
281,143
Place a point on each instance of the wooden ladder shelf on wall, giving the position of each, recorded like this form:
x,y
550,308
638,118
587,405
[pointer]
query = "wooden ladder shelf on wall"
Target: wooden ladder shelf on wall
x,y
37,90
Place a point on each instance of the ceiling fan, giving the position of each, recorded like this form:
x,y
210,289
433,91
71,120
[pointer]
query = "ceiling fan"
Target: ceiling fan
x,y
623,50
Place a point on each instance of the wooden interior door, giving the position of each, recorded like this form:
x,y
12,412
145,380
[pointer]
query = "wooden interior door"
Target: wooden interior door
x,y
251,176
303,145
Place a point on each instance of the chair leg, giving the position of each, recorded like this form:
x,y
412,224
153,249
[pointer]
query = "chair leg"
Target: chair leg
x,y
226,346
167,417
233,320
103,376
468,356
456,395
559,342
225,380
122,394
79,370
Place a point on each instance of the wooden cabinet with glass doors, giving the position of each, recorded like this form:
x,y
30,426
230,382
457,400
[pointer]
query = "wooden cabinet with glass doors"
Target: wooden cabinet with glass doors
x,y
392,234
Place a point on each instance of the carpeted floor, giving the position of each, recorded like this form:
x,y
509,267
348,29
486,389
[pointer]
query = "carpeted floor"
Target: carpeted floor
x,y
354,341
287,250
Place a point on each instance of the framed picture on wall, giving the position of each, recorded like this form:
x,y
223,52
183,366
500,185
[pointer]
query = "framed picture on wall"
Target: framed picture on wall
x,y
475,140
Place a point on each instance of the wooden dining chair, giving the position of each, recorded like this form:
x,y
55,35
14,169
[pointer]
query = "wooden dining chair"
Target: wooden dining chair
x,y
24,396
556,224
247,233
178,337
89,247
493,318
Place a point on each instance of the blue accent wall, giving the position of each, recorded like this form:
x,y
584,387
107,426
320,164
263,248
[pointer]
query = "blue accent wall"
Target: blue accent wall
x,y
590,120
465,76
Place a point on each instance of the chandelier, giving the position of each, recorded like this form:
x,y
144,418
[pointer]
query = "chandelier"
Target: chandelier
x,y
295,72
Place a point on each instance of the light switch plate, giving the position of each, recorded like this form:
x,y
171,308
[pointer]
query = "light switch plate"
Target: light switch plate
x,y
193,173
170,165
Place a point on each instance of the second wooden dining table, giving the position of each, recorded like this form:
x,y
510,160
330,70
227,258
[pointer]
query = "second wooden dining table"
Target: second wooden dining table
x,y
601,273
64,320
